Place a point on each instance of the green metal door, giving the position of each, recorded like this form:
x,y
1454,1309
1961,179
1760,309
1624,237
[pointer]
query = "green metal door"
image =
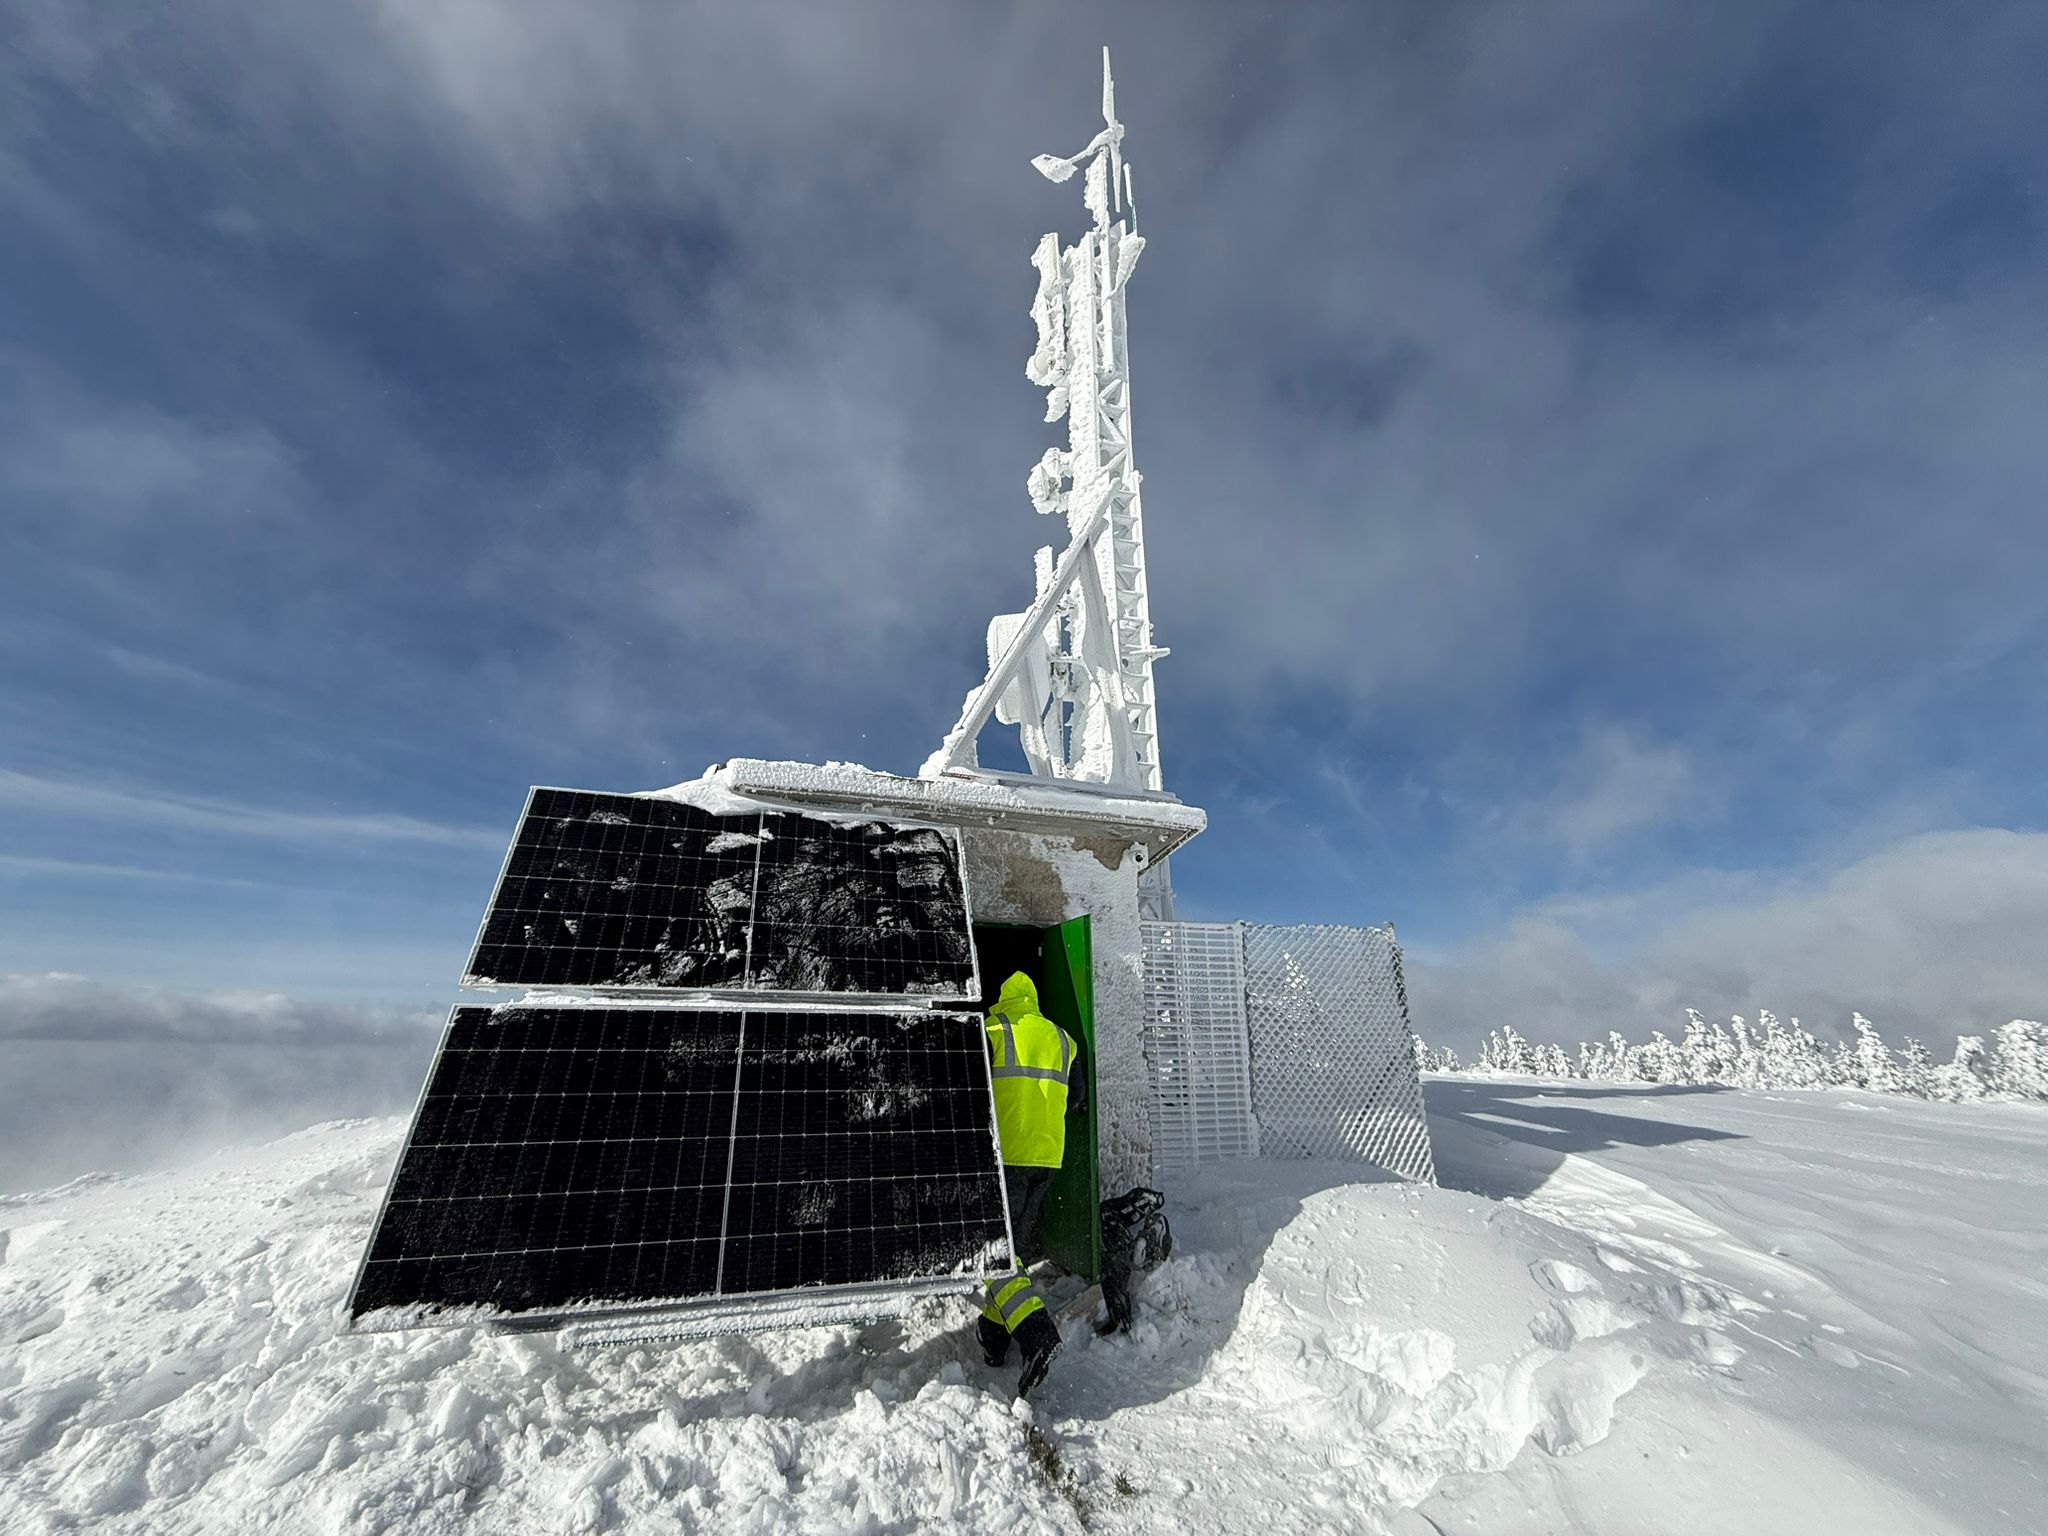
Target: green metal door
x,y
1073,1207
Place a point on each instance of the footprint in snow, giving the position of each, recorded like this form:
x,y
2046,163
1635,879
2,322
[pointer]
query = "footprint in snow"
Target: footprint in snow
x,y
1714,1349
1833,1353
47,1321
183,1296
1561,1278
16,1241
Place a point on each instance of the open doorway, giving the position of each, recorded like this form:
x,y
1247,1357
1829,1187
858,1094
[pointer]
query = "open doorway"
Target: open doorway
x,y
1060,962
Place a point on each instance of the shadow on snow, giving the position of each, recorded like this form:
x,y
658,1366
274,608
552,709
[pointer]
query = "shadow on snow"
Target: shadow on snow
x,y
1504,1139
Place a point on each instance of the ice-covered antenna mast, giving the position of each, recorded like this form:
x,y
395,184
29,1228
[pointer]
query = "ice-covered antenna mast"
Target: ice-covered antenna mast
x,y
1074,671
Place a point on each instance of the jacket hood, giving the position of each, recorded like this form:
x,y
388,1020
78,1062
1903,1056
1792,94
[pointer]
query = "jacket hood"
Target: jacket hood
x,y
1019,995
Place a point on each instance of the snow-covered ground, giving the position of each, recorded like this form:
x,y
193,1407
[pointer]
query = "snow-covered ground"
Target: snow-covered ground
x,y
1878,1262
1629,1310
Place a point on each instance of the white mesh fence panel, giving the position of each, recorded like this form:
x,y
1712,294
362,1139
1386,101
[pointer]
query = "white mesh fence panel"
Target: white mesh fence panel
x,y
1196,1046
1332,1056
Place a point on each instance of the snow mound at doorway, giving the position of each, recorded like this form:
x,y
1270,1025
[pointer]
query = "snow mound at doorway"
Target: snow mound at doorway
x,y
1323,1352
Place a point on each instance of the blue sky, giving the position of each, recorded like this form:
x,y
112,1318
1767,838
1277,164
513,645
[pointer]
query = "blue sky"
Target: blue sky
x,y
1593,453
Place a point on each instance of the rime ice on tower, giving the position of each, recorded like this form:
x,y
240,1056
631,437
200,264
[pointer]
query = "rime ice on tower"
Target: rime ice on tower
x,y
1074,671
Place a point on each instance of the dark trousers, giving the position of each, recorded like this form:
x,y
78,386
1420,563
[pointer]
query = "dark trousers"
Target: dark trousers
x,y
1027,1189
1012,1297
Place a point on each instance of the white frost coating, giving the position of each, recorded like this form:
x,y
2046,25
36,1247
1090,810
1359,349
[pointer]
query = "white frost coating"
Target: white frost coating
x,y
1048,363
1096,197
712,793
1018,706
1045,484
715,794
756,1314
692,1001
1124,1123
1162,823
1128,250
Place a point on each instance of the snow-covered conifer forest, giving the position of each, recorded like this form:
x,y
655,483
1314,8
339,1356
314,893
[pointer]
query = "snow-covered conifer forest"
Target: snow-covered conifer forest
x,y
1775,1054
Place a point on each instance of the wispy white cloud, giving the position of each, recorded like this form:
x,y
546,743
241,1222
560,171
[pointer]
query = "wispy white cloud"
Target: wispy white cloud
x,y
66,454
66,1006
1614,784
1935,934
108,803
101,1076
85,869
140,465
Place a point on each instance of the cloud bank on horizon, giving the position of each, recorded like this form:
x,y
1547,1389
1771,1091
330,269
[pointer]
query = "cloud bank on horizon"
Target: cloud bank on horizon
x,y
1593,460
104,1079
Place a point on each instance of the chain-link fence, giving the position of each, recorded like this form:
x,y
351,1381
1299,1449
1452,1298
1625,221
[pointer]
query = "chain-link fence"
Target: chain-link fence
x,y
1333,1056
1294,1041
1196,1045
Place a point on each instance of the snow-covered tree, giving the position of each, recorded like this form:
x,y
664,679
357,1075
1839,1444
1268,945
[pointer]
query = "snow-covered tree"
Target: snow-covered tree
x,y
1777,1065
1808,1059
1696,1063
1506,1051
1775,1054
1744,1066
1660,1061
1867,1061
1961,1079
1916,1069
2019,1060
1430,1060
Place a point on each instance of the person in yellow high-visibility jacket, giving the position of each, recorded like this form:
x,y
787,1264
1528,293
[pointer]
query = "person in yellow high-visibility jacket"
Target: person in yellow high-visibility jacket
x,y
1036,1070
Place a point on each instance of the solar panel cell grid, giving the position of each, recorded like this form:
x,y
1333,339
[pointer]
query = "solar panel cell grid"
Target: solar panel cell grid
x,y
570,1157
618,890
623,891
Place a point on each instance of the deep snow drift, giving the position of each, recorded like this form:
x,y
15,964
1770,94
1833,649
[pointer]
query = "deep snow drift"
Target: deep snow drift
x,y
1647,1310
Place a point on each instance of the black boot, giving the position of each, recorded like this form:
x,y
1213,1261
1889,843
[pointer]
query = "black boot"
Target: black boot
x,y
995,1341
1039,1337
1116,1304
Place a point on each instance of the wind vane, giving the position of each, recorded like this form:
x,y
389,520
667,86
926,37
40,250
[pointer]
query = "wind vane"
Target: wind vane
x,y
1073,672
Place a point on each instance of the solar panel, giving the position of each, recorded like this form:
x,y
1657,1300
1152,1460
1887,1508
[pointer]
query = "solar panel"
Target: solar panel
x,y
629,893
577,1160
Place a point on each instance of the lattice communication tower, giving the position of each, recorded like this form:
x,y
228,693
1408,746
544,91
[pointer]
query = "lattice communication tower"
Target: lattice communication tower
x,y
1073,672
